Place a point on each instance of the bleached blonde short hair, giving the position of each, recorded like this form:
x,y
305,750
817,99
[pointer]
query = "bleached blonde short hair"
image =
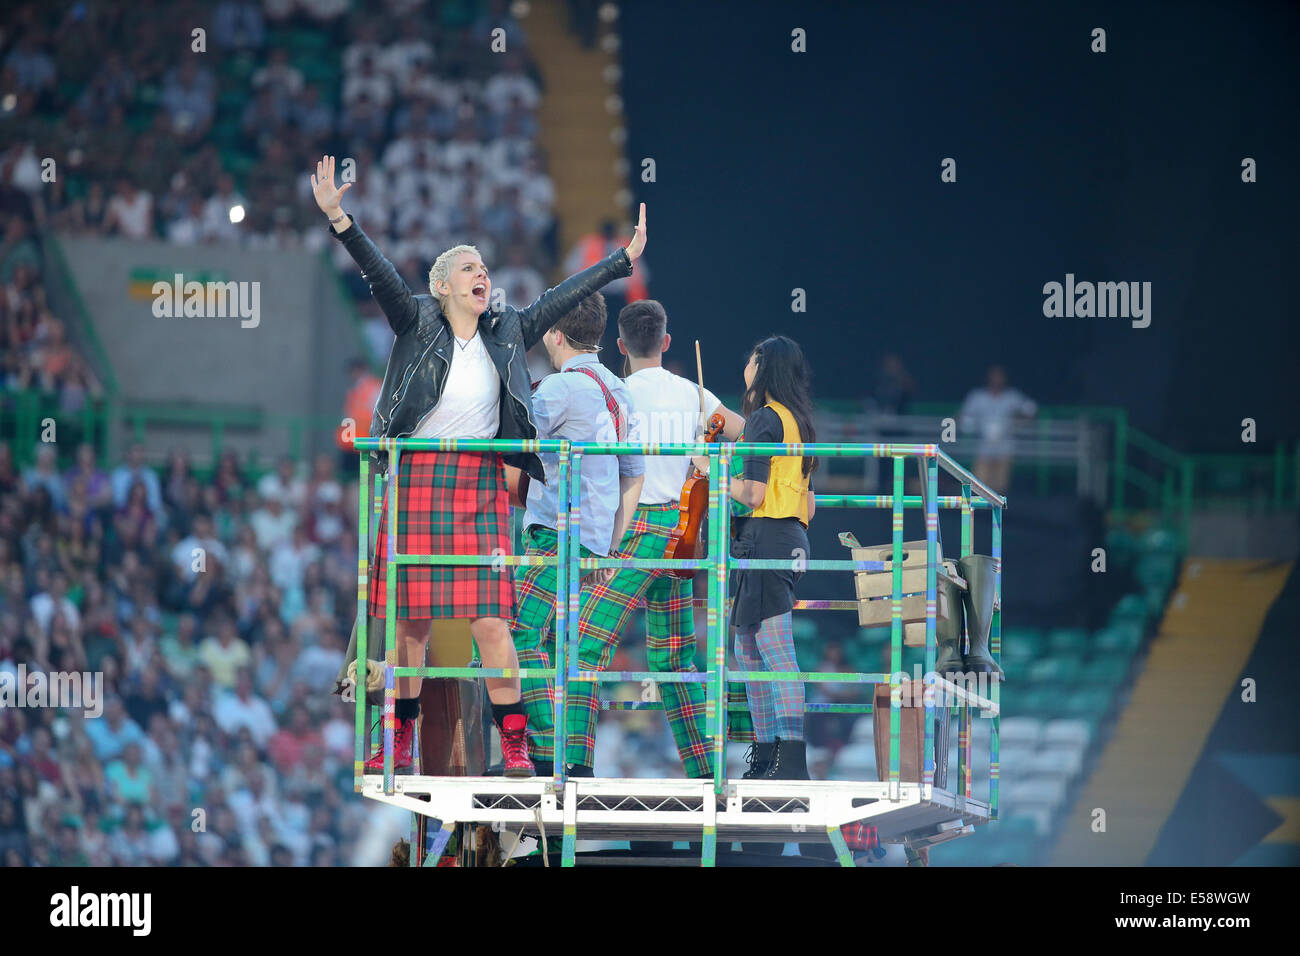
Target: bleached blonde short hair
x,y
442,269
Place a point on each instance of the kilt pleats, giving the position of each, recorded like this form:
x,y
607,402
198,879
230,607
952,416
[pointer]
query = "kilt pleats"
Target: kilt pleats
x,y
448,503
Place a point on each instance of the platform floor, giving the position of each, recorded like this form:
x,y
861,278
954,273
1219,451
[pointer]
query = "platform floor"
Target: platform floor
x,y
776,811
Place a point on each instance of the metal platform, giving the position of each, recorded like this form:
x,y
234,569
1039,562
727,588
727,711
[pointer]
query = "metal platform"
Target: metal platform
x,y
775,811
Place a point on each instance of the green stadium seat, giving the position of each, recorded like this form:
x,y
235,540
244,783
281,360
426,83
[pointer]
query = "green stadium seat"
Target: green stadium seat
x,y
308,41
1121,549
1107,672
1059,668
1023,636
1117,640
1156,598
1067,639
1156,570
1131,607
1090,702
1160,540
1040,702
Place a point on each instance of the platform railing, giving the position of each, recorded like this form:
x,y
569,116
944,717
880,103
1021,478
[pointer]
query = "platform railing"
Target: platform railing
x,y
974,496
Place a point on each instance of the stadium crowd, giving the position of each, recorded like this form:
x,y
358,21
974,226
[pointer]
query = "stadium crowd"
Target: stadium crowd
x,y
152,139
215,611
216,605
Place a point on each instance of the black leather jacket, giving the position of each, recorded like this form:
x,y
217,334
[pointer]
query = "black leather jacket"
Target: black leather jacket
x,y
421,356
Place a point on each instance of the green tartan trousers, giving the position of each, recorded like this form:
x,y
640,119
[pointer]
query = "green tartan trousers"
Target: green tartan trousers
x,y
604,613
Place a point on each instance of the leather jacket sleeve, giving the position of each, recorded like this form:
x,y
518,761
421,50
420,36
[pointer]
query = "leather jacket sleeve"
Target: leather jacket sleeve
x,y
389,289
551,305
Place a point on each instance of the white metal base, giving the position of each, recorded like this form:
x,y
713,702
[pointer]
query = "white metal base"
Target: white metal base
x,y
773,811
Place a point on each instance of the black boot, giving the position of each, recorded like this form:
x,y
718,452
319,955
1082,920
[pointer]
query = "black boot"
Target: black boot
x,y
789,761
579,770
759,757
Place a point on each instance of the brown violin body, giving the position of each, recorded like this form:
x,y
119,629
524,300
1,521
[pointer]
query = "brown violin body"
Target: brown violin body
x,y
684,542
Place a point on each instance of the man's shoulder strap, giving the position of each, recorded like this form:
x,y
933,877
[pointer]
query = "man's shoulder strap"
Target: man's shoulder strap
x,y
615,410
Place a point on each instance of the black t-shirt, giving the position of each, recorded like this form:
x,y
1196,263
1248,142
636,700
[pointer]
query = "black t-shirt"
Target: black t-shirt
x,y
764,425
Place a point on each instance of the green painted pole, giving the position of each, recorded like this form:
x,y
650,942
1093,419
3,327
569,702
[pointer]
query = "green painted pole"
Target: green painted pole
x,y
931,599
995,688
1279,474
390,612
363,632
1121,450
896,636
561,618
566,644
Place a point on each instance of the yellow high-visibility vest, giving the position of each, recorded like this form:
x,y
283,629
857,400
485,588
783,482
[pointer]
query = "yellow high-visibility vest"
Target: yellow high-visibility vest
x,y
787,485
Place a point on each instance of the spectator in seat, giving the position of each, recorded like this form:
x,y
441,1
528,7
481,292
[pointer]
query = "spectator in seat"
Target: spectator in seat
x,y
197,547
313,116
129,780
224,655
241,708
189,100
286,747
217,226
238,25
45,474
98,489
133,469
110,734
283,484
272,523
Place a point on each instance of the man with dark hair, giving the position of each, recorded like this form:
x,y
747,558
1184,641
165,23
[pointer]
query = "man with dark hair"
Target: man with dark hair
x,y
669,408
585,402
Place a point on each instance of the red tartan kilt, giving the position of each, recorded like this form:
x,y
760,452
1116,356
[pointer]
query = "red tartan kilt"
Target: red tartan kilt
x,y
448,503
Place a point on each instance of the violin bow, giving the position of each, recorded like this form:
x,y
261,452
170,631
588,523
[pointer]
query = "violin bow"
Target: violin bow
x,y
699,373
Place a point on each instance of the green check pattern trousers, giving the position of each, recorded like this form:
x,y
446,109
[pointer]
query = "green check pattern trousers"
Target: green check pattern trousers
x,y
604,613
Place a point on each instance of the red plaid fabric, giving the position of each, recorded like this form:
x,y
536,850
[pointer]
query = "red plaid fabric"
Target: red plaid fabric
x,y
448,503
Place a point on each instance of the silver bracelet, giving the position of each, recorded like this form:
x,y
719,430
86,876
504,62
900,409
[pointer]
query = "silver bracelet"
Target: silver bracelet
x,y
339,218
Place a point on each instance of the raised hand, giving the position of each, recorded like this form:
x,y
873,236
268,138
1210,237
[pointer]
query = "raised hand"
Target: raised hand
x,y
328,197
637,245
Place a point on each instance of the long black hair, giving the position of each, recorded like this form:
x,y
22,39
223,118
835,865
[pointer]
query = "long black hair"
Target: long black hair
x,y
783,374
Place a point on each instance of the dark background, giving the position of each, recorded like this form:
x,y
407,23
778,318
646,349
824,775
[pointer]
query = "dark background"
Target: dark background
x,y
821,171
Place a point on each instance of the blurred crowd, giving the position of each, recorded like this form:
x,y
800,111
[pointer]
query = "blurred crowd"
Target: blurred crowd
x,y
217,612
149,138
35,351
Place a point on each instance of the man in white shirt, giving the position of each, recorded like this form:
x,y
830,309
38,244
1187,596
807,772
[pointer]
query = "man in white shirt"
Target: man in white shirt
x,y
991,413
190,554
668,408
241,708
584,401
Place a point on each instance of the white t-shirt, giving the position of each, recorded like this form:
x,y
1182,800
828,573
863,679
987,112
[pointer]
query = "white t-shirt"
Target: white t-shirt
x,y
667,409
470,406
992,417
135,218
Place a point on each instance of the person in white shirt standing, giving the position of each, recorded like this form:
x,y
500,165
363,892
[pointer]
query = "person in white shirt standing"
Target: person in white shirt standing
x,y
992,413
667,408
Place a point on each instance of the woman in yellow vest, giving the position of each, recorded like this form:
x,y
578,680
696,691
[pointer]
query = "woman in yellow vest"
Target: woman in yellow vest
x,y
778,408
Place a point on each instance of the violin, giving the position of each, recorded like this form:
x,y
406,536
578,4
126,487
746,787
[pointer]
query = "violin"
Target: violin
x,y
685,538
